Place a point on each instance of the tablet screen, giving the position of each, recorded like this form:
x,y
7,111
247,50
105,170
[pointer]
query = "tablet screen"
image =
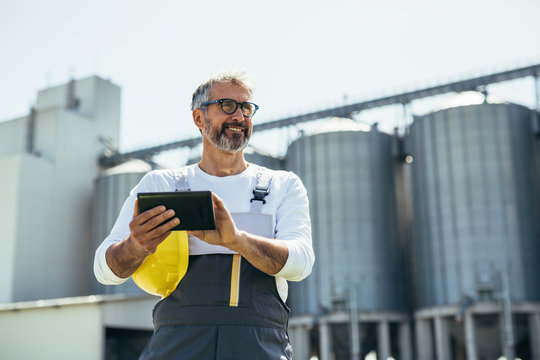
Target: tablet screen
x,y
195,209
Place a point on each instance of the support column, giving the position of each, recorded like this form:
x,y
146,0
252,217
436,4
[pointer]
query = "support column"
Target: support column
x,y
470,339
536,80
535,121
534,331
506,322
299,336
355,327
424,349
383,340
355,339
405,345
325,341
442,340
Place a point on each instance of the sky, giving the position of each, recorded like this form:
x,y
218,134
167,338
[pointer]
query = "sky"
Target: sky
x,y
303,55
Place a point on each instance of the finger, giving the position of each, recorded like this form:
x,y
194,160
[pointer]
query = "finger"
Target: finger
x,y
197,233
164,228
139,227
148,214
157,220
150,240
221,211
136,210
218,203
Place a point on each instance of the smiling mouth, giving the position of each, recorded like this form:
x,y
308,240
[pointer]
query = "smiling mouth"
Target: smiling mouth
x,y
235,128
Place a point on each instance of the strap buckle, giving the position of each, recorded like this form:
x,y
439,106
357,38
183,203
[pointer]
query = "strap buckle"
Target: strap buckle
x,y
259,194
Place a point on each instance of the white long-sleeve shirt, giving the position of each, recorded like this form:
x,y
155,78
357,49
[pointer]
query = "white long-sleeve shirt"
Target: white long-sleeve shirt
x,y
287,203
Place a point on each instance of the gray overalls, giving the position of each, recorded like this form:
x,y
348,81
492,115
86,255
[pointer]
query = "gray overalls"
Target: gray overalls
x,y
224,308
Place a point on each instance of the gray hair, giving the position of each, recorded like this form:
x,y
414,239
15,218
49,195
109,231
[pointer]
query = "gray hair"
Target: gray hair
x,y
202,94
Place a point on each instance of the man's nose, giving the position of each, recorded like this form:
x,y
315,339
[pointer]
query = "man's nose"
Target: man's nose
x,y
238,114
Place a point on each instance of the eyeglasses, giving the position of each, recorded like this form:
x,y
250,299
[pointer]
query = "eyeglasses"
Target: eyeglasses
x,y
229,106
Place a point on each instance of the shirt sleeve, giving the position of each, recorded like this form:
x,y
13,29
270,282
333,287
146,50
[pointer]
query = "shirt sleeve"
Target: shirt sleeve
x,y
120,230
293,225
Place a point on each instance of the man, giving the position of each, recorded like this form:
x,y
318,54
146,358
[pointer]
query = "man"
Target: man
x,y
231,302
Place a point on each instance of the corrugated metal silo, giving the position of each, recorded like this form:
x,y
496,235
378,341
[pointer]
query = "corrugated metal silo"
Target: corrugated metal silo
x,y
262,158
348,171
252,155
112,187
476,204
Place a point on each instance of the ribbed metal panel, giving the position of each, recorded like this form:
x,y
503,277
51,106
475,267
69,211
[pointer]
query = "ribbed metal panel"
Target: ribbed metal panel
x,y
349,176
111,190
476,203
254,156
270,162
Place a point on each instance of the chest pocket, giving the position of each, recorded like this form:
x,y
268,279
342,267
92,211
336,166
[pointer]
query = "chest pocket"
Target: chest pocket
x,y
257,224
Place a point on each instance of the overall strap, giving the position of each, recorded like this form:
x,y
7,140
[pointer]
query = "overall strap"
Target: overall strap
x,y
182,181
261,190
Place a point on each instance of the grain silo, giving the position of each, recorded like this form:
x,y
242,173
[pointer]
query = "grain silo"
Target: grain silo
x,y
252,155
348,170
477,230
112,187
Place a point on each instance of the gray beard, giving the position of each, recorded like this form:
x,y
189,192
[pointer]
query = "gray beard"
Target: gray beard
x,y
220,140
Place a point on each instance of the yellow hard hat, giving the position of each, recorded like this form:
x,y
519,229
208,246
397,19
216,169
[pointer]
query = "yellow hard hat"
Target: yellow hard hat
x,y
160,273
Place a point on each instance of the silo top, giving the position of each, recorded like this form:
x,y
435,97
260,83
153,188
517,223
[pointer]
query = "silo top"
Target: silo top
x,y
131,166
336,124
250,149
467,98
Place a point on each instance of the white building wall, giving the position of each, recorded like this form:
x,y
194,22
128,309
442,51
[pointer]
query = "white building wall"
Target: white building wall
x,y
108,98
9,191
52,333
99,100
69,328
12,136
48,220
33,257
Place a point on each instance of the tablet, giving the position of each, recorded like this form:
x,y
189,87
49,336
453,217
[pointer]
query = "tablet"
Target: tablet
x,y
195,209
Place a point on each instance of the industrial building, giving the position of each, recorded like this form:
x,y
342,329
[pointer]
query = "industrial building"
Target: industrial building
x,y
427,239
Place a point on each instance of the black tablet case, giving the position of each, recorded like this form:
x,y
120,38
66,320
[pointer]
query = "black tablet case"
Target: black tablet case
x,y
195,209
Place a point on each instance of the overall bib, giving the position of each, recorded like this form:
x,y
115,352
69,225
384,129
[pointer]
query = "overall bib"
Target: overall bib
x,y
224,308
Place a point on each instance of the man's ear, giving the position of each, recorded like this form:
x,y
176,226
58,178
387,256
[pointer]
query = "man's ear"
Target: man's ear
x,y
198,118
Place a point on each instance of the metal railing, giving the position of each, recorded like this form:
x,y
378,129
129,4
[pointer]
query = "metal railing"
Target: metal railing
x,y
108,160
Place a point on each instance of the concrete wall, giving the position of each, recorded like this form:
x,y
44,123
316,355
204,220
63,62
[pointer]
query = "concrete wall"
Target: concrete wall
x,y
9,190
69,328
47,193
55,333
131,314
13,136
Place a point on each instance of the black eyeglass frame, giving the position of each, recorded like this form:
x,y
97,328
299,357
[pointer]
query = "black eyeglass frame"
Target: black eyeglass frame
x,y
220,101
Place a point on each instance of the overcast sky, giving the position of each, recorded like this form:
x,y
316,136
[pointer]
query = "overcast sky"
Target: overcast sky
x,y
303,55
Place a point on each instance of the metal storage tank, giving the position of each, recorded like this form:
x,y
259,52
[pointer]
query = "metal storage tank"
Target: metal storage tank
x,y
348,170
252,155
476,204
262,158
112,187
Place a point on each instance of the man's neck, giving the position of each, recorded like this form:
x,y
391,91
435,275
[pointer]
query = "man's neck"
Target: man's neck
x,y
220,163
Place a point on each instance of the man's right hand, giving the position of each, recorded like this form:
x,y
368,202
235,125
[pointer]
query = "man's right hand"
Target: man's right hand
x,y
144,229
146,234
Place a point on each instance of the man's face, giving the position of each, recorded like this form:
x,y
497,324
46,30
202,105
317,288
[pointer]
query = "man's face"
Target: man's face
x,y
227,132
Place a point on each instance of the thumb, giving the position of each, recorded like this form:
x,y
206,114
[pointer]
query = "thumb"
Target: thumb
x,y
197,233
136,210
218,203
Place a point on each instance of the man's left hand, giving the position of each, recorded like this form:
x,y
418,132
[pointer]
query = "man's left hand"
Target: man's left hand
x,y
226,233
